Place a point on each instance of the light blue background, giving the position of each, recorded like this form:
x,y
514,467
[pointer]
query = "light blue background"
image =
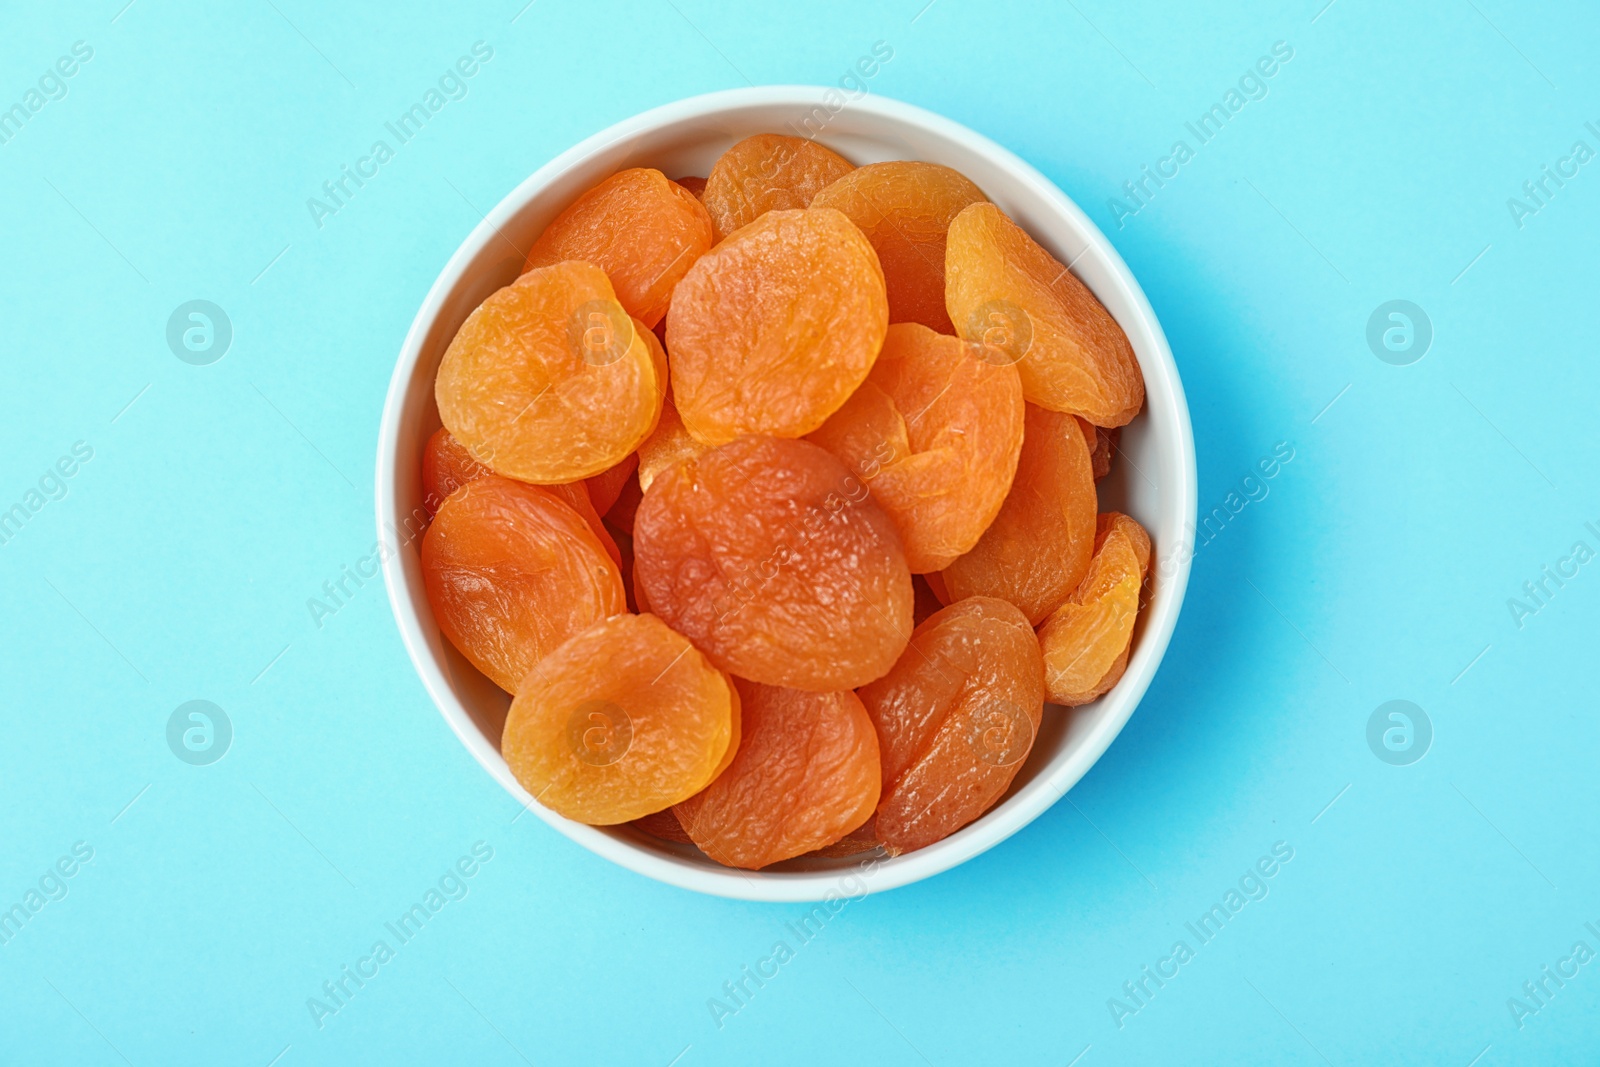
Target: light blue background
x,y
179,564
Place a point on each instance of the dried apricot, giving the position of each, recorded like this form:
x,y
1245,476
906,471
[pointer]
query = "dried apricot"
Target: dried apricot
x,y
940,459
776,562
1037,549
696,186
446,467
772,330
863,838
1005,291
767,172
511,572
805,775
621,720
1086,639
641,229
956,717
905,209
668,445
549,380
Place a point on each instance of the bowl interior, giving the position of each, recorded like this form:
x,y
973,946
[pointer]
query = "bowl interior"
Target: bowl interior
x,y
1152,478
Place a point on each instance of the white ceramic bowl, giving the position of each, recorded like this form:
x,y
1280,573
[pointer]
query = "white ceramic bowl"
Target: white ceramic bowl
x,y
1153,479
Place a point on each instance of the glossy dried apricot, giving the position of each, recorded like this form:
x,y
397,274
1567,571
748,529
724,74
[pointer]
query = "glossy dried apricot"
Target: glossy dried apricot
x,y
767,172
775,561
772,330
549,380
1086,639
1003,290
1037,549
621,720
935,432
805,775
669,445
641,229
511,572
905,208
956,718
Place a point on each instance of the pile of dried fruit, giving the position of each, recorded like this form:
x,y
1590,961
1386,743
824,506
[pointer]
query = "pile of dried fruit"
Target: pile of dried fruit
x,y
702,595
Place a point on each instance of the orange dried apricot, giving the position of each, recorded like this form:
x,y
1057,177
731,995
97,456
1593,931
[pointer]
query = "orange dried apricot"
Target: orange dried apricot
x,y
863,838
805,775
905,208
695,185
644,231
1003,290
446,467
621,720
511,572
549,380
1037,549
956,717
776,562
668,445
935,432
767,172
1086,639
772,330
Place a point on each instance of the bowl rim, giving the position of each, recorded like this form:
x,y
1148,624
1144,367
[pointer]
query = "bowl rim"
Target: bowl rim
x,y
875,872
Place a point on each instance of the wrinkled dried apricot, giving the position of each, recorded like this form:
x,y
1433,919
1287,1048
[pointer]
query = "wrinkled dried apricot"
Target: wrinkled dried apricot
x,y
805,775
772,330
511,572
863,838
1086,639
905,208
606,487
663,825
776,562
670,444
767,172
956,717
641,229
446,467
1003,290
1037,549
621,720
935,432
549,380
